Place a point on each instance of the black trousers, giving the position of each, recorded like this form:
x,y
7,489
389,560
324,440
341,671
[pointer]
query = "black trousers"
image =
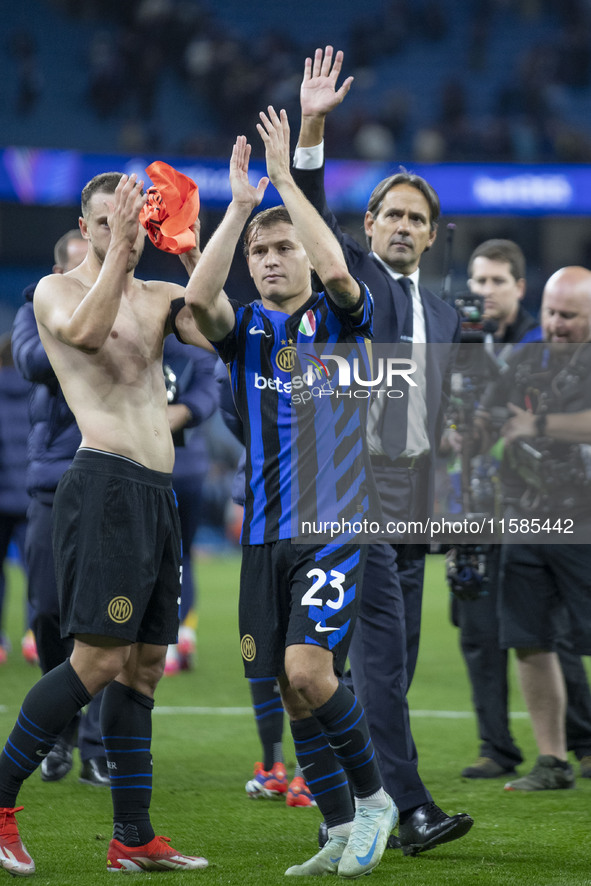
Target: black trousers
x,y
384,648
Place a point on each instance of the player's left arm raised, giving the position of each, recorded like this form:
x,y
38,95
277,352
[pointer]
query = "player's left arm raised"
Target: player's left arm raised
x,y
320,244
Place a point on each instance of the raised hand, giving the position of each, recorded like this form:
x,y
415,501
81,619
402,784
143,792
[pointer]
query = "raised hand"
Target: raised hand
x,y
318,92
274,131
243,192
124,210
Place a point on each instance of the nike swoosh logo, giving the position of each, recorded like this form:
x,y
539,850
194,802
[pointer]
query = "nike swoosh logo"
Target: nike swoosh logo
x,y
254,330
365,859
42,753
322,630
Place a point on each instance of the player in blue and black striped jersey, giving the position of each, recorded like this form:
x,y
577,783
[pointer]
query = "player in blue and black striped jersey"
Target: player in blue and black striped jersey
x,y
305,445
304,429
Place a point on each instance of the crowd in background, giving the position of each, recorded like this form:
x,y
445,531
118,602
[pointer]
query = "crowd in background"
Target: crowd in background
x,y
494,80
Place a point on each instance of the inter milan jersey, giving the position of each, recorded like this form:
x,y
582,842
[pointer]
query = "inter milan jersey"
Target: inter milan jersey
x,y
304,420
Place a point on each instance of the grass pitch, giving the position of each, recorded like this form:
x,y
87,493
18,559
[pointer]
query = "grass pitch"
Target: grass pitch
x,y
205,745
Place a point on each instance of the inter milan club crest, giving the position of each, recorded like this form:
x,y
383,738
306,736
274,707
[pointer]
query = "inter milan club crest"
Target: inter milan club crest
x,y
248,648
120,610
285,358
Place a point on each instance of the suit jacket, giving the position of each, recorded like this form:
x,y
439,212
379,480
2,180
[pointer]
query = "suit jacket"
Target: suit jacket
x,y
442,322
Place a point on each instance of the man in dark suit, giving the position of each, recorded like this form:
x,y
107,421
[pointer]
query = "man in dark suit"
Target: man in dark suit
x,y
400,225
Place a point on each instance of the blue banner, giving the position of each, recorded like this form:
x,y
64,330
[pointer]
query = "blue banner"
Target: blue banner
x,y
51,177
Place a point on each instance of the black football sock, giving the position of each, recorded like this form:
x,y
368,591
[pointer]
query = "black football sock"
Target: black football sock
x,y
343,721
126,726
47,709
268,713
324,774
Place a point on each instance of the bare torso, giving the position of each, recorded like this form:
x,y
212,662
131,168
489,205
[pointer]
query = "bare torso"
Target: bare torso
x,y
117,392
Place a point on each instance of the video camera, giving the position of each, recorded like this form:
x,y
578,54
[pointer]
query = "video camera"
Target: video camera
x,y
466,571
470,307
553,479
475,366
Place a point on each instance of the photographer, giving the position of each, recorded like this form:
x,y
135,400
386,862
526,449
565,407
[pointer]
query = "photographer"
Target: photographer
x,y
548,400
496,271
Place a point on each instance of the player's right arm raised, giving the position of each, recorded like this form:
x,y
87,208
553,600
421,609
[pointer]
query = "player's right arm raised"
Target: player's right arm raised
x,y
83,318
204,293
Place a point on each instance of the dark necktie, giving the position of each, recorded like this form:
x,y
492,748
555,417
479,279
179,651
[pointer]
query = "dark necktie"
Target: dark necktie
x,y
392,427
407,329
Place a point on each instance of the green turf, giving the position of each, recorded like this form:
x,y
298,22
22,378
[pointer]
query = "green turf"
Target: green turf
x,y
202,761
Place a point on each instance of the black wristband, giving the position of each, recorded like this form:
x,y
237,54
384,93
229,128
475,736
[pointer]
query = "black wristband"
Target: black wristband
x,y
540,423
176,305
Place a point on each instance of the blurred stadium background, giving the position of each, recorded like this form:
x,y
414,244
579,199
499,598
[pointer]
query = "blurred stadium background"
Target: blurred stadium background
x,y
489,99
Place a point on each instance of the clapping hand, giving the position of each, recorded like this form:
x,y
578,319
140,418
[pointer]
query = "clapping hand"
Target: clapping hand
x,y
274,131
123,211
243,192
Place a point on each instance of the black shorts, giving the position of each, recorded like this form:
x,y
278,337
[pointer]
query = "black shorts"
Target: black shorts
x,y
117,550
297,594
541,585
